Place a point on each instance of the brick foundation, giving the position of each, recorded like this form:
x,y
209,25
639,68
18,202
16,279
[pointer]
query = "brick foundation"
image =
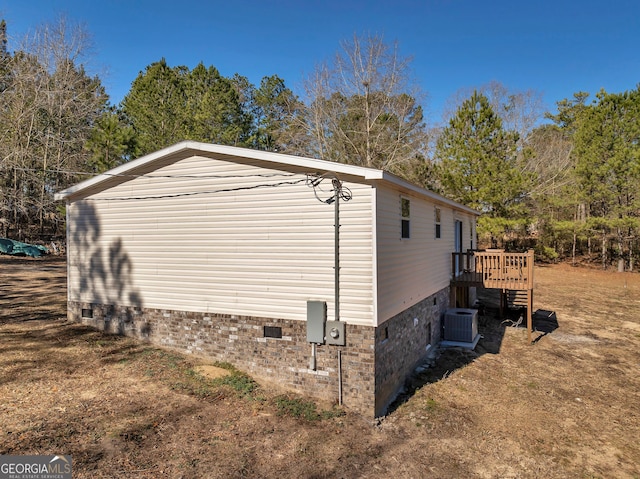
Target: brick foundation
x,y
240,341
375,361
402,342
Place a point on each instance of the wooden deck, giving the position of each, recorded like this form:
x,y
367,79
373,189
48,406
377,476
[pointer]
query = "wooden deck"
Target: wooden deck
x,y
493,269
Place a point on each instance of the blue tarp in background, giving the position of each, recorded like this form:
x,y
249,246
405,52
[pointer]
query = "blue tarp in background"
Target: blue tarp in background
x,y
16,248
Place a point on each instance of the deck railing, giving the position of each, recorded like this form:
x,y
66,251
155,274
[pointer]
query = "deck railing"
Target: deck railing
x,y
494,269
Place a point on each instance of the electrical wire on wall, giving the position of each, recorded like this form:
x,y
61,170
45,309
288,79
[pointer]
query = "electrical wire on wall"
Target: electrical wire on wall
x,y
189,177
312,180
344,193
193,193
146,175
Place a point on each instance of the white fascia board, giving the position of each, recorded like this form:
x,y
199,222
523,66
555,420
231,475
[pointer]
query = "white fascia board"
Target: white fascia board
x,y
311,164
122,169
391,178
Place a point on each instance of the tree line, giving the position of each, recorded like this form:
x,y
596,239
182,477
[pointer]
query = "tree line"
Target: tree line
x,y
563,182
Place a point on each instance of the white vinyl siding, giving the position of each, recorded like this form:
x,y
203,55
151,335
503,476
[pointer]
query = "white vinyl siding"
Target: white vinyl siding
x,y
259,252
409,271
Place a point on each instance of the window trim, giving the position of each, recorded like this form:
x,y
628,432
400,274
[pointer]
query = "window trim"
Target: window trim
x,y
437,213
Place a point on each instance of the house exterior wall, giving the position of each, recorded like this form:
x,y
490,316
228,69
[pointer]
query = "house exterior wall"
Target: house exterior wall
x,y
412,269
257,252
200,255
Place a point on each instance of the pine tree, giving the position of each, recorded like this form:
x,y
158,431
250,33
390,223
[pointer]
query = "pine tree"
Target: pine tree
x,y
170,104
155,106
274,103
213,110
111,143
607,143
477,165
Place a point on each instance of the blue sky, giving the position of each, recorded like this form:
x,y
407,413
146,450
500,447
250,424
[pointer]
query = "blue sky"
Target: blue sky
x,y
556,47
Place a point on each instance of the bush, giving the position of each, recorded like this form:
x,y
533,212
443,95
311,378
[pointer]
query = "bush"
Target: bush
x,y
545,253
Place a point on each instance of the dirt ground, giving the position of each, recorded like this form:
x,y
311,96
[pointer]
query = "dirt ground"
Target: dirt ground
x,y
567,406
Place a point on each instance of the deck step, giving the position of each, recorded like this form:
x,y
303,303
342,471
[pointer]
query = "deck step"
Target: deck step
x,y
516,298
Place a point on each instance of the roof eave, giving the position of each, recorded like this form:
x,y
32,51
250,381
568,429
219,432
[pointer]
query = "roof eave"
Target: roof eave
x,y
396,180
122,169
311,164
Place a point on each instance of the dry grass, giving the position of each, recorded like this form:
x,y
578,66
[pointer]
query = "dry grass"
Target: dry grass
x,y
568,406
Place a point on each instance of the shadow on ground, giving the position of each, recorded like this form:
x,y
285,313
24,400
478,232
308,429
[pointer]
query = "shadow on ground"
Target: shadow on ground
x,y
491,327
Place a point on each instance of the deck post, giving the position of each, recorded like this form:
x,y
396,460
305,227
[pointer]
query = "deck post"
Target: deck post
x,y
530,263
530,314
453,266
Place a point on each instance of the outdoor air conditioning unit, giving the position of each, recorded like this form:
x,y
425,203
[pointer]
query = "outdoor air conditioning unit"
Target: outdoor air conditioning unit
x,y
460,325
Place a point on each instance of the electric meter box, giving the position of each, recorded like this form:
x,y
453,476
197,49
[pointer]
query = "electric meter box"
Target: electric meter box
x,y
334,333
316,319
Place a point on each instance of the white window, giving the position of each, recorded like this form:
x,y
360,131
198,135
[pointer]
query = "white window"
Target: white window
x,y
405,221
438,225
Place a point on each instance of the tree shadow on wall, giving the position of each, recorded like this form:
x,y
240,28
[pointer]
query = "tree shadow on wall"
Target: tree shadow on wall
x,y
104,271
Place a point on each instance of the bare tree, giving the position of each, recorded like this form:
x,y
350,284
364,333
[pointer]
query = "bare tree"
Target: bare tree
x,y
363,108
550,159
49,106
520,111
